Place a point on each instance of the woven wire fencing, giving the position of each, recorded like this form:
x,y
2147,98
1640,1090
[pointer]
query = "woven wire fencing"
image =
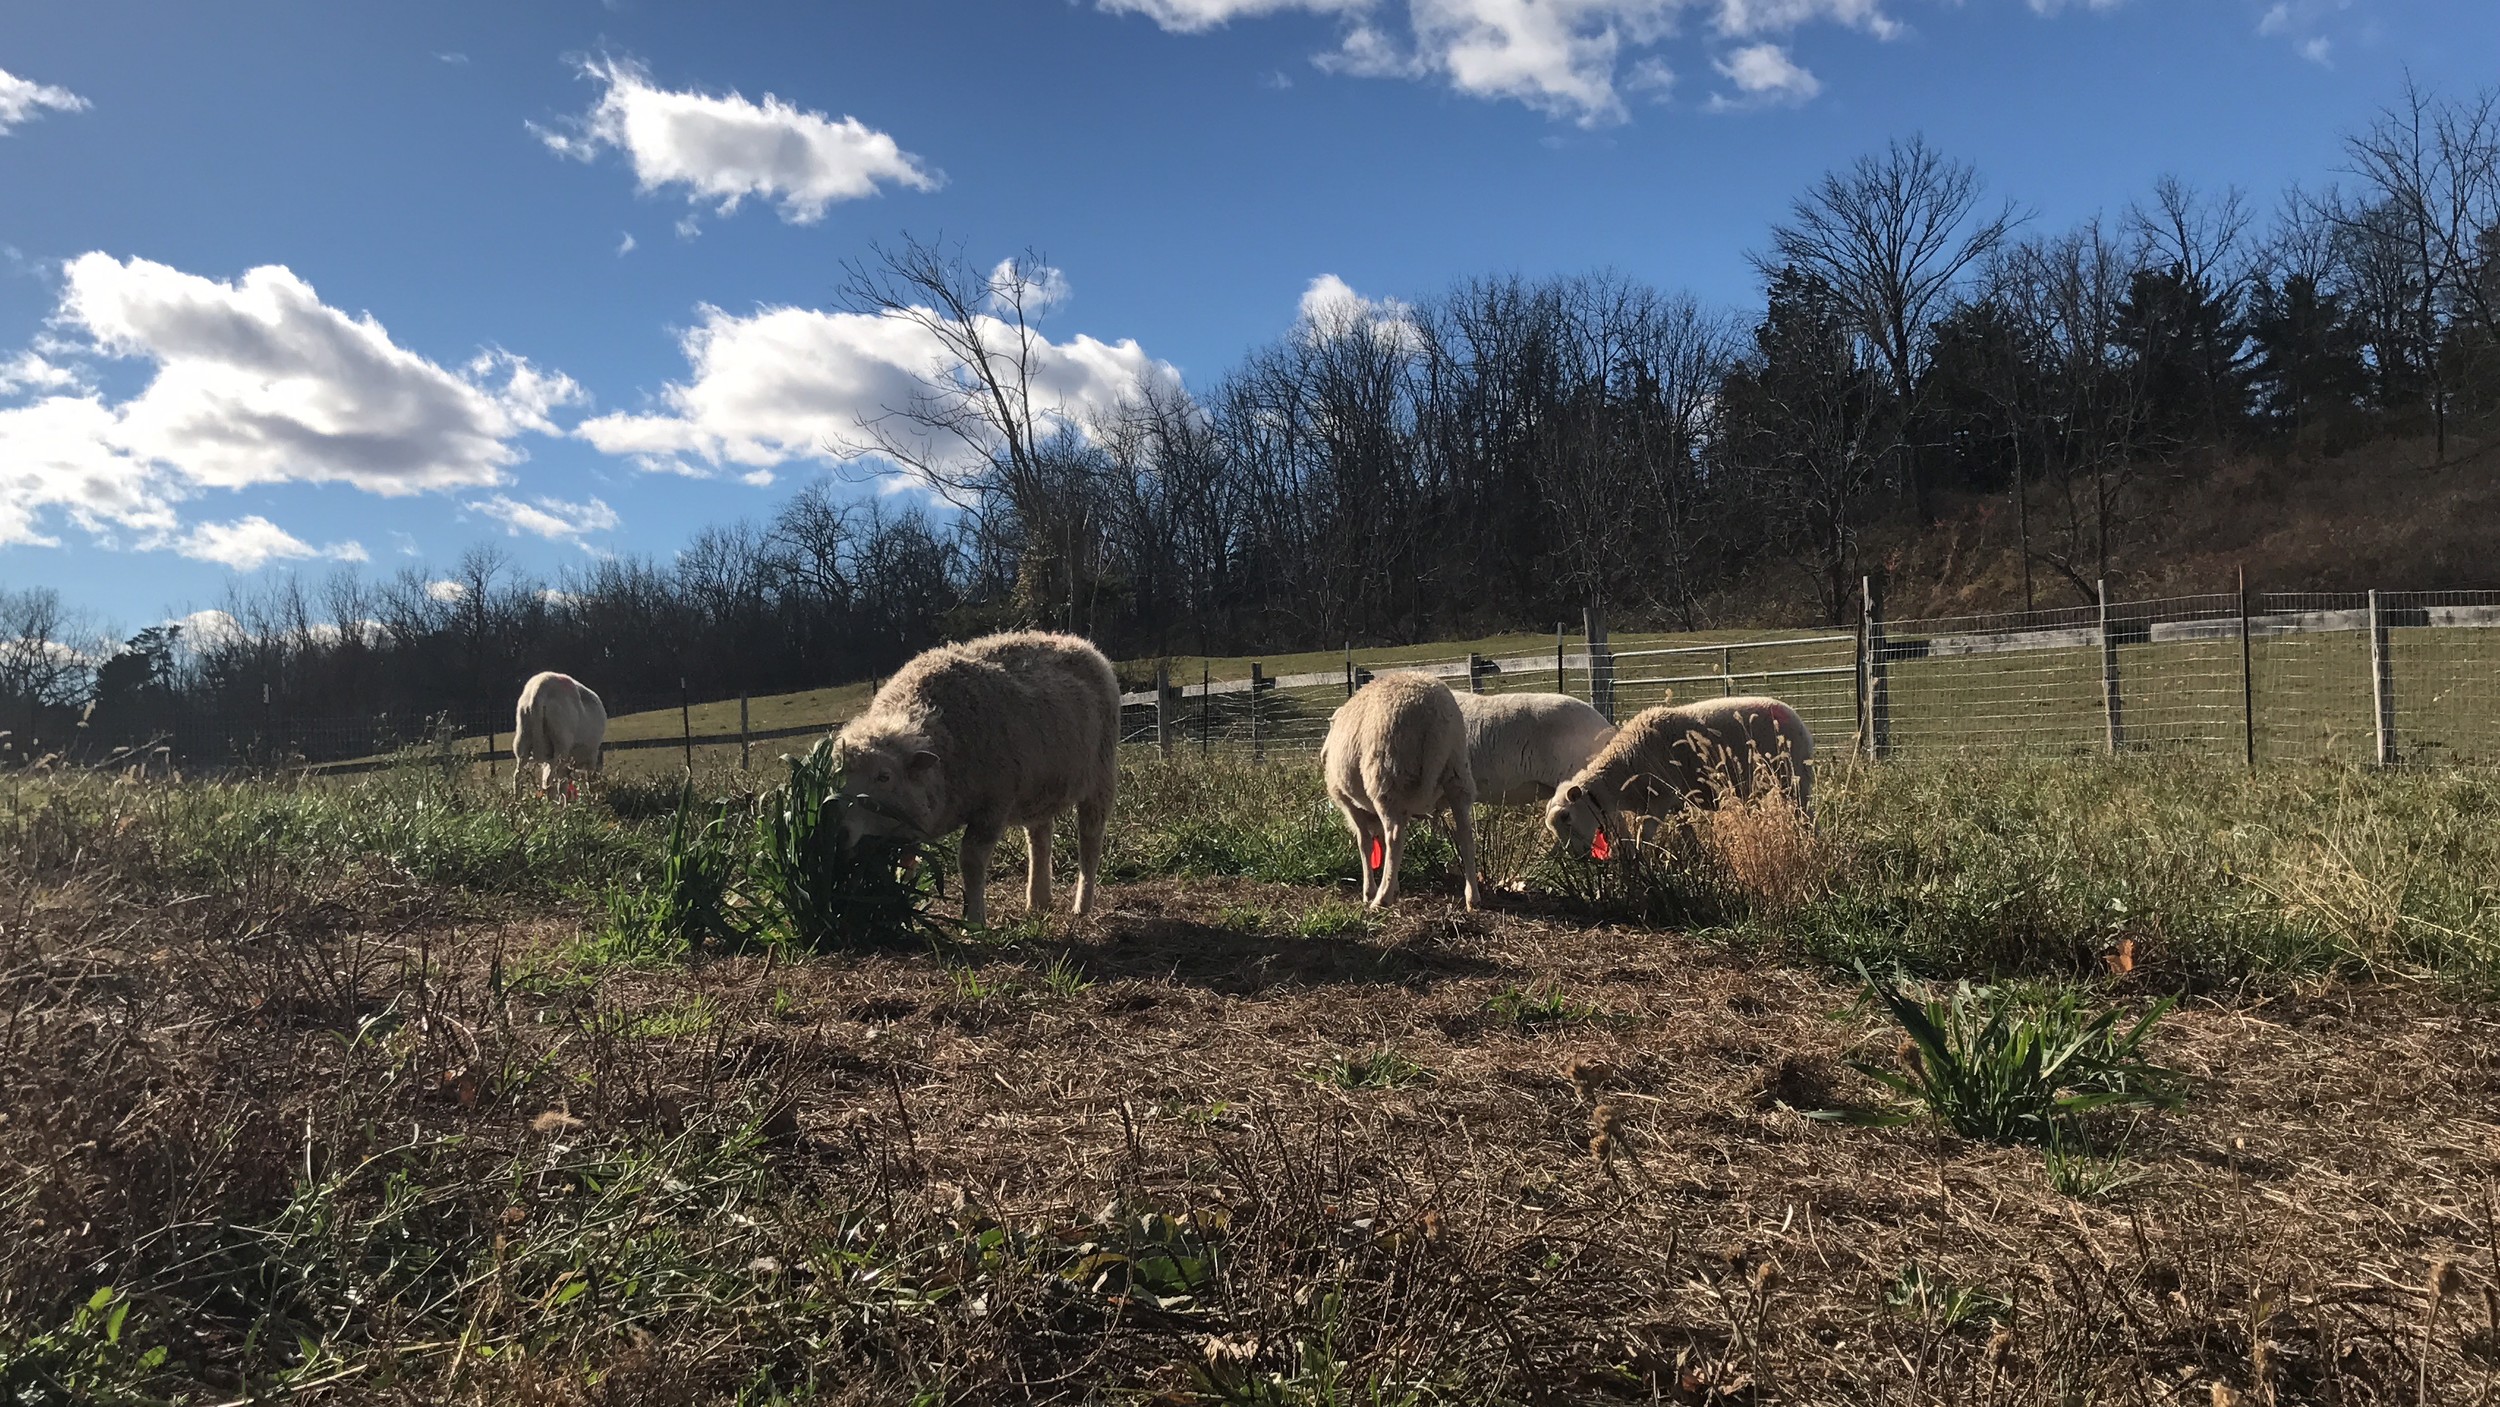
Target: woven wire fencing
x,y
2385,677
2361,677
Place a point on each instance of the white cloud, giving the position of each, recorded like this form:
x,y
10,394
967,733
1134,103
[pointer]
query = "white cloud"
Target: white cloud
x,y
724,149
1199,16
254,381
625,246
1045,287
2303,25
446,591
2051,7
1331,308
1572,59
22,99
785,384
248,544
209,628
1743,19
1764,76
550,518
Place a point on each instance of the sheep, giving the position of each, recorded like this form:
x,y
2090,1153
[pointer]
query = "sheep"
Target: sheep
x,y
559,724
1397,753
1010,729
1668,762
1522,746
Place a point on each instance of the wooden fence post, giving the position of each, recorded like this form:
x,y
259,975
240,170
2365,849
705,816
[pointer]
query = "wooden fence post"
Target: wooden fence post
x,y
1601,664
2248,681
1475,672
1876,666
1258,681
1163,707
2112,707
1206,695
2382,685
743,753
1559,686
685,722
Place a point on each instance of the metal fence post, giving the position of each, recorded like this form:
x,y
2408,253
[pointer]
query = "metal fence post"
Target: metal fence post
x,y
1258,681
1560,687
1206,695
1727,670
1163,707
1601,664
685,721
2111,704
743,753
2382,685
1475,672
2248,682
1877,667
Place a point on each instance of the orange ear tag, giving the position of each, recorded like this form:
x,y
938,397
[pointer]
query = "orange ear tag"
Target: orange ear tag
x,y
1600,848
1380,854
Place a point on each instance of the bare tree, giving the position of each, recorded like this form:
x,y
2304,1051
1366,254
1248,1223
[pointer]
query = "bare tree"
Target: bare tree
x,y
2433,168
1890,237
979,429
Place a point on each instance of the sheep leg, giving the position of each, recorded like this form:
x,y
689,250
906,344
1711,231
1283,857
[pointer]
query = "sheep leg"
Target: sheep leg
x,y
1364,828
1463,813
1037,867
1092,818
978,846
1394,846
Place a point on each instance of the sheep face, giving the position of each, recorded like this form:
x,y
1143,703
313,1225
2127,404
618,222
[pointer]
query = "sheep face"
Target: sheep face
x,y
899,778
1577,818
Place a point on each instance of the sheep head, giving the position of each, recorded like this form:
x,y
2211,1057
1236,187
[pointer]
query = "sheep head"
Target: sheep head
x,y
898,773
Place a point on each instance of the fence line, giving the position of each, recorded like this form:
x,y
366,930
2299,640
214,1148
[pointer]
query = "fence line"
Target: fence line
x,y
2371,676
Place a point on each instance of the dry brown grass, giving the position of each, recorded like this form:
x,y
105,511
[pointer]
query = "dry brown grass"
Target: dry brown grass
x,y
401,1125
1769,852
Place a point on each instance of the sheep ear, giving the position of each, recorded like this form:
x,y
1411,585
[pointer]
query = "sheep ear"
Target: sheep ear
x,y
922,763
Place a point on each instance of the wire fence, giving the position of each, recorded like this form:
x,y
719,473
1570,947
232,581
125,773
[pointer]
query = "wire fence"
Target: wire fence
x,y
2373,677
2368,677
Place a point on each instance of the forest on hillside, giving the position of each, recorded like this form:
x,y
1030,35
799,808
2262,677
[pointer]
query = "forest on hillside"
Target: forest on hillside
x,y
1504,453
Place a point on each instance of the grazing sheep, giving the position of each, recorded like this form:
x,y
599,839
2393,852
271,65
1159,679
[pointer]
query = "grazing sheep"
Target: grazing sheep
x,y
560,725
1005,730
1522,746
1397,753
1667,762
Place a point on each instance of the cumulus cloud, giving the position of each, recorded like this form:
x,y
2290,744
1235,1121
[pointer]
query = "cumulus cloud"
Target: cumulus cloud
x,y
784,384
23,99
248,544
446,591
1764,76
1331,308
550,518
254,381
2051,7
1571,59
723,149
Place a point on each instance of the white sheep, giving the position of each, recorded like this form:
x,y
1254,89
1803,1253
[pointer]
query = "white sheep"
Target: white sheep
x,y
1522,746
560,725
1396,753
1669,762
1005,730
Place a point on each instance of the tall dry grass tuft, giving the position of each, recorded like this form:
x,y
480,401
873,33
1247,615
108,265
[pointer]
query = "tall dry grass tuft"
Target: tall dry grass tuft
x,y
1769,852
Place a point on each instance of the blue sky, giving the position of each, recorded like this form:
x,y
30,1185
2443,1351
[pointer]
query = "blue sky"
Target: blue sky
x,y
284,284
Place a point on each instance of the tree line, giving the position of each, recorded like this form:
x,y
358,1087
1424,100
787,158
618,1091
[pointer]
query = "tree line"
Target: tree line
x,y
1503,454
